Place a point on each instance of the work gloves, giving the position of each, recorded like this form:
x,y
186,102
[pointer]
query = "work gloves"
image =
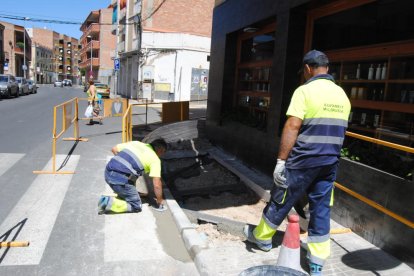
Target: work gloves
x,y
159,207
279,173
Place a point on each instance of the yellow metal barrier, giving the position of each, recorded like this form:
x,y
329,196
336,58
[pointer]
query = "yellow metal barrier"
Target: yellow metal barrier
x,y
110,107
366,200
170,112
127,125
69,116
380,142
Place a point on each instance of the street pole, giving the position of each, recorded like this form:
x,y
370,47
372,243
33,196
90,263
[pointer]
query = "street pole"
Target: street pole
x,y
24,47
90,72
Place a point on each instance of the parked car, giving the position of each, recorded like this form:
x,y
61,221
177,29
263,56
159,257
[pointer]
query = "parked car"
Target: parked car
x,y
102,89
32,86
8,86
67,82
58,83
23,86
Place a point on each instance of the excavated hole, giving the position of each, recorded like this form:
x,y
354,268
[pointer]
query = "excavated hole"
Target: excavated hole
x,y
212,196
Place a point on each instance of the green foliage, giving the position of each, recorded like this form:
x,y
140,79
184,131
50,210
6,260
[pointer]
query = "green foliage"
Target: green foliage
x,y
345,154
20,45
383,158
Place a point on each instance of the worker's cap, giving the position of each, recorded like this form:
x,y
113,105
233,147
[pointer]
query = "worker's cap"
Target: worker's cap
x,y
315,58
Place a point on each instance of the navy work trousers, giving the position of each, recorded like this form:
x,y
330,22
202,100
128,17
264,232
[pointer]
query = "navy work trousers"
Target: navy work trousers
x,y
317,183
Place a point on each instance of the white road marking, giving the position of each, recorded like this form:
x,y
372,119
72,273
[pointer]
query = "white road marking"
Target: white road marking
x,y
131,237
7,160
38,209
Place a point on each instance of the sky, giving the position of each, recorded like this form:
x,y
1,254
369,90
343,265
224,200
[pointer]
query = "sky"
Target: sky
x,y
64,10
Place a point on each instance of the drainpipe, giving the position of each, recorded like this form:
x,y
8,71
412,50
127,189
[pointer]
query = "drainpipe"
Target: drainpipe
x,y
175,73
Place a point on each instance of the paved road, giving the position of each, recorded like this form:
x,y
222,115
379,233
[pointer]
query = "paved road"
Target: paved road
x,y
58,213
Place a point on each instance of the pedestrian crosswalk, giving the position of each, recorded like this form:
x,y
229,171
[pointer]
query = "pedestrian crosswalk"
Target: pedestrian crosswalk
x,y
33,217
7,160
127,237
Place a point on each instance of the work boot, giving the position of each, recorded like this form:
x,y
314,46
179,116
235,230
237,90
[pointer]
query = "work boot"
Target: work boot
x,y
103,202
315,269
248,233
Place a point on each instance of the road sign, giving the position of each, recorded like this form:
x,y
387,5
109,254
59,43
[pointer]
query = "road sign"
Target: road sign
x,y
116,64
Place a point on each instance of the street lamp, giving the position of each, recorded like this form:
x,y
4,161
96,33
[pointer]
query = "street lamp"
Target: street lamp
x,y
91,72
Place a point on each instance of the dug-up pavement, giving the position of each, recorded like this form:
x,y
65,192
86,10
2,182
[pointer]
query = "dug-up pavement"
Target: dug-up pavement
x,y
212,255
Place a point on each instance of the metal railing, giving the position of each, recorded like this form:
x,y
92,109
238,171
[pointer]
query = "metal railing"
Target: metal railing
x,y
160,112
367,200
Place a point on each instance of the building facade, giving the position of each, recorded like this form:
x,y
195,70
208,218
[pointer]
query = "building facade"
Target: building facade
x,y
17,50
43,65
2,59
163,48
97,46
56,56
256,53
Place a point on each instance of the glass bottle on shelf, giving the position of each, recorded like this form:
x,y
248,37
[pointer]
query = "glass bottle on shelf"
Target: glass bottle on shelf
x,y
358,72
374,95
381,95
384,71
378,72
376,120
363,118
371,72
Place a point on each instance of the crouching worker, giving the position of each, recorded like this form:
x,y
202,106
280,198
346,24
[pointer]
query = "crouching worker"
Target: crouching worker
x,y
131,161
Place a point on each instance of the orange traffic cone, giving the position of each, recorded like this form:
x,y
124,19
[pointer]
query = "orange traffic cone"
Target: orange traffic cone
x,y
289,254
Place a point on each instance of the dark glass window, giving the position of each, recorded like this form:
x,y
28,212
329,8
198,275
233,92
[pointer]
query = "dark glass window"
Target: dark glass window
x,y
377,22
257,48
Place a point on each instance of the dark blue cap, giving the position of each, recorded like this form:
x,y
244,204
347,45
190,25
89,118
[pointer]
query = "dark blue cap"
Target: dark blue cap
x,y
315,58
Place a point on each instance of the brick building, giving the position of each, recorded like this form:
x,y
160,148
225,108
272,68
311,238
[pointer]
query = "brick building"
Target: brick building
x,y
16,49
97,46
56,56
163,47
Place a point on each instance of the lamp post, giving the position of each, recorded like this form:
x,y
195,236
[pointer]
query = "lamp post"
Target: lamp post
x,y
91,72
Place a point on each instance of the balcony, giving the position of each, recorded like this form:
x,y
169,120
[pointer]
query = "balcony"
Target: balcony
x,y
95,46
93,28
87,63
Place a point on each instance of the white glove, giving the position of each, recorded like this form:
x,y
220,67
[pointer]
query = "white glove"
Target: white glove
x,y
160,208
279,173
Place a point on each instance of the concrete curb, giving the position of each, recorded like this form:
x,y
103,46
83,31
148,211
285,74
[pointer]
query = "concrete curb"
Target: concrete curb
x,y
193,241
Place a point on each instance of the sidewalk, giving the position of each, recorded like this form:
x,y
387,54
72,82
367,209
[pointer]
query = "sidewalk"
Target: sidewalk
x,y
351,254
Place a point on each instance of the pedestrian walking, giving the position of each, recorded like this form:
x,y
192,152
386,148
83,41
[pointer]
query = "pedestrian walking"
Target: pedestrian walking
x,y
132,160
93,100
308,159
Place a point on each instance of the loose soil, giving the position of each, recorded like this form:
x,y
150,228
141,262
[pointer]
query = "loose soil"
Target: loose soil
x,y
216,192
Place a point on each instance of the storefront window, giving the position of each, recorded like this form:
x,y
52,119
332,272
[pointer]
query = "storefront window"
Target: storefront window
x,y
378,22
257,48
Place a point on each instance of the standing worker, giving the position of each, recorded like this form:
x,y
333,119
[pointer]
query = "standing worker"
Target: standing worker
x,y
308,159
131,160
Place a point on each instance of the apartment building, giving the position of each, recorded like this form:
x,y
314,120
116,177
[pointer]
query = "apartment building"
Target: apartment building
x,y
97,46
56,56
17,47
163,48
43,66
